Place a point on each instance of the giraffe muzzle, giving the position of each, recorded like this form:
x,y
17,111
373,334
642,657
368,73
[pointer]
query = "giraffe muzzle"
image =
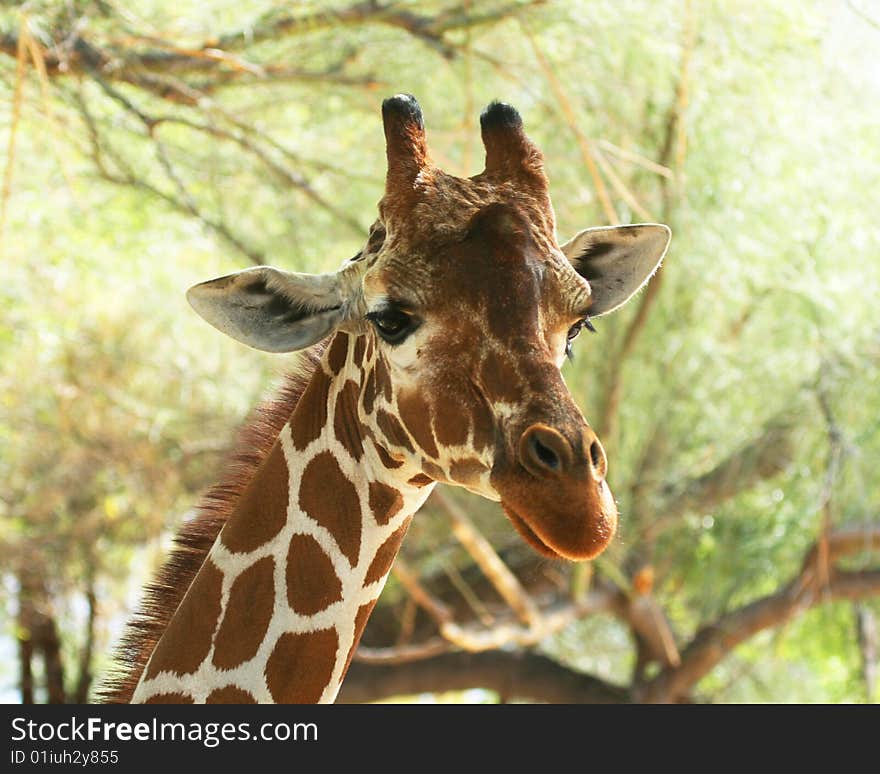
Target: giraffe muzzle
x,y
555,492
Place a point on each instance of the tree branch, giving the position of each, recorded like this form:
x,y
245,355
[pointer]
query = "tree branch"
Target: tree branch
x,y
671,157
761,458
712,643
504,581
510,675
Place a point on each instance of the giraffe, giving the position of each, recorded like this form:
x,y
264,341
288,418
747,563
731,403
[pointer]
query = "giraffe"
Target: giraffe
x,y
431,356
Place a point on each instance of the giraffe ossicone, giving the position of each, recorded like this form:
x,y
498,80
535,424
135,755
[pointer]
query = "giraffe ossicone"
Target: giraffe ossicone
x,y
433,355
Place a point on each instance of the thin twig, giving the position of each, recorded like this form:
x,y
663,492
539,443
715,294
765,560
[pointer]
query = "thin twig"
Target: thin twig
x,y
421,596
635,158
585,145
672,153
36,53
504,581
470,597
13,126
620,187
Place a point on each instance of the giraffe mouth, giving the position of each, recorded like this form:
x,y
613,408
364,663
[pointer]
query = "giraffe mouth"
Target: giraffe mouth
x,y
528,534
563,525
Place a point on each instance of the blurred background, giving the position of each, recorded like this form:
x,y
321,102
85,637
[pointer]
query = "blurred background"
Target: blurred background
x,y
148,146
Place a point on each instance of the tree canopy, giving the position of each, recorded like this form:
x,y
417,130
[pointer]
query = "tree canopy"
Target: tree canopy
x,y
150,148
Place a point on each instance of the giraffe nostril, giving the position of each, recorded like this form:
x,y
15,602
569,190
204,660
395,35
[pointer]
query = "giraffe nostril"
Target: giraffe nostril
x,y
543,451
597,458
545,454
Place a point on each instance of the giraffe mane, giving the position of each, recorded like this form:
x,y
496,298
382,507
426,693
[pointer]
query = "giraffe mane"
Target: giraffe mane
x,y
195,537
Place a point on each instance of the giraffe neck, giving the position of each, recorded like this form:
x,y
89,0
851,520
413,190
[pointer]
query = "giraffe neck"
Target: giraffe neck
x,y
278,607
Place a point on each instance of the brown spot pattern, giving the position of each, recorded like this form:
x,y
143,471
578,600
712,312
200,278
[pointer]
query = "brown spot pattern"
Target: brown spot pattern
x,y
186,643
387,460
360,622
420,479
300,666
170,698
385,501
310,416
386,554
500,379
370,392
450,421
360,346
262,510
312,583
346,424
393,430
415,413
248,612
484,430
383,380
229,694
327,496
434,472
466,471
337,353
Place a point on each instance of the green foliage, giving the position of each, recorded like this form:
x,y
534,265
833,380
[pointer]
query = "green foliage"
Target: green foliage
x,y
116,403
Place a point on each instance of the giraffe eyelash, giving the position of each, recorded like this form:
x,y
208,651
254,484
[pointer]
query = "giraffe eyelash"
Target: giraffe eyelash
x,y
573,334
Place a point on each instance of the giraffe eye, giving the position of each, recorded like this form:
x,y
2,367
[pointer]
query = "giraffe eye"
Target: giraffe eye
x,y
392,325
573,333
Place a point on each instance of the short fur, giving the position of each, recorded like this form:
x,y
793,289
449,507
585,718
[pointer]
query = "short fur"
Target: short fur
x,y
195,538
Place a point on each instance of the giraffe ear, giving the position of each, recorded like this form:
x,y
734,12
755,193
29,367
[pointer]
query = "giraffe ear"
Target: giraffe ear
x,y
271,310
617,261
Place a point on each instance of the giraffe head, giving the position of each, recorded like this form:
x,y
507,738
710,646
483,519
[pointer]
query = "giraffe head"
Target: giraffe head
x,y
467,306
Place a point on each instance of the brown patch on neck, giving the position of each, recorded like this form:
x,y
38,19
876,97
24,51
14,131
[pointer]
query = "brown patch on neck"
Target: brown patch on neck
x,y
415,413
383,379
360,346
170,698
420,480
312,583
301,665
360,623
369,398
186,643
385,502
330,498
248,612
393,430
230,694
387,460
262,510
386,554
310,416
337,352
163,595
346,422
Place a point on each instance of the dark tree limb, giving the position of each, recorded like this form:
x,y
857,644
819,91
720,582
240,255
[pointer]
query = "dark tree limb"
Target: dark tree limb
x,y
712,643
510,675
761,458
866,628
84,675
25,650
146,61
433,667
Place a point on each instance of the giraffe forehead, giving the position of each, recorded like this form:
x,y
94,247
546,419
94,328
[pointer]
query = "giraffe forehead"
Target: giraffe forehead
x,y
441,205
497,287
